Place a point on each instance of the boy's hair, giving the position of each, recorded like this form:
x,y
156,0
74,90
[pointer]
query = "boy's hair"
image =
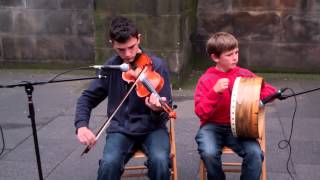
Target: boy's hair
x,y
221,42
122,29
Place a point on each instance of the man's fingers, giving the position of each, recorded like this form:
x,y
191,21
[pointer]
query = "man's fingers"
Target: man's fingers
x,y
86,137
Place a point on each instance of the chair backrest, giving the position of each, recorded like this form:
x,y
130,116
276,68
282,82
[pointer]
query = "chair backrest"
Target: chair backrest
x,y
137,170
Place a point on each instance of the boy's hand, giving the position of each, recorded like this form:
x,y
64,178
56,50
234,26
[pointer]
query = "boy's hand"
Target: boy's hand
x,y
221,85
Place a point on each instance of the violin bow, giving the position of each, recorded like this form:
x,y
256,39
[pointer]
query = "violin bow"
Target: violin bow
x,y
108,120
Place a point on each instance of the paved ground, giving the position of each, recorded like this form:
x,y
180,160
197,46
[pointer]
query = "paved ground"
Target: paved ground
x,y
60,151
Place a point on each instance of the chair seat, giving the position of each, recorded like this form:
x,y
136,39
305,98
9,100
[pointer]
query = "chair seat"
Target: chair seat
x,y
133,170
236,166
140,154
227,150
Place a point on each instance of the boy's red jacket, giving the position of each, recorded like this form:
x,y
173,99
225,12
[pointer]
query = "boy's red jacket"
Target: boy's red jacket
x,y
214,107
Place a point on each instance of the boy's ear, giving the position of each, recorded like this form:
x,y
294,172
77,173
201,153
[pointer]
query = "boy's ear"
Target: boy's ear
x,y
214,58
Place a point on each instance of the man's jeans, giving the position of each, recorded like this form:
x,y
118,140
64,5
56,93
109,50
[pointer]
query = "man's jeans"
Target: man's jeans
x,y
211,138
119,148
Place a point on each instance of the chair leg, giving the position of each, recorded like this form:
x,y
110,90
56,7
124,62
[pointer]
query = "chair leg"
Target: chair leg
x,y
264,170
202,174
174,176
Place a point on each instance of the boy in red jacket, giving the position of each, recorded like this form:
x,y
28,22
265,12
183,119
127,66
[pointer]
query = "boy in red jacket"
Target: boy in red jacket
x,y
212,105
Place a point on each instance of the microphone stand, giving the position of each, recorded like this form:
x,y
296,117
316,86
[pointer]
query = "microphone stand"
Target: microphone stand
x,y
29,89
282,97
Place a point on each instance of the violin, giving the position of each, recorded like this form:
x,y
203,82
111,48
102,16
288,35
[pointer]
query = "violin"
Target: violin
x,y
149,81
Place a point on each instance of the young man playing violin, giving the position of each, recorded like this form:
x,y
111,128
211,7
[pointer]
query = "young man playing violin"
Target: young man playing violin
x,y
139,123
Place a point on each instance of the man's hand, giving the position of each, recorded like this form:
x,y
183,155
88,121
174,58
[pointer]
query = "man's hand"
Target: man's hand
x,y
86,137
153,102
221,85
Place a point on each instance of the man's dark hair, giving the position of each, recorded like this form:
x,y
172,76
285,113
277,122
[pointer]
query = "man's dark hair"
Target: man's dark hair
x,y
122,29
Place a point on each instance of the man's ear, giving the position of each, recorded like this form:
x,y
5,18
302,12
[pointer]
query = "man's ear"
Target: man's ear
x,y
139,38
110,43
214,58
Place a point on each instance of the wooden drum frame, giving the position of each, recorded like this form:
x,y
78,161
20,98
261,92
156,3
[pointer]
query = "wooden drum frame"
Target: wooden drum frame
x,y
247,117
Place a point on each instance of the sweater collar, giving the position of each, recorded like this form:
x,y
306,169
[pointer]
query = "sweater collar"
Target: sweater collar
x,y
214,70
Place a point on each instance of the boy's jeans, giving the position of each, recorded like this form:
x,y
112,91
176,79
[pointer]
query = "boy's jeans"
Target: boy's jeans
x,y
211,138
119,148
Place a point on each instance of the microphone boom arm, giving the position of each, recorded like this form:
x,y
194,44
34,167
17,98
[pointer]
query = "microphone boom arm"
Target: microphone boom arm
x,y
282,97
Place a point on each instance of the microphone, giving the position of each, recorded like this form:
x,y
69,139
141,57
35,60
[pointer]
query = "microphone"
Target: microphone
x,y
122,67
276,95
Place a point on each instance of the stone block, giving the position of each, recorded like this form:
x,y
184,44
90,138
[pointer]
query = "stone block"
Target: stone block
x,y
314,6
12,3
260,56
29,22
76,4
5,21
160,32
40,4
79,50
256,26
205,6
127,7
49,49
10,50
244,54
1,49
102,25
300,28
27,48
43,22
59,23
293,5
246,25
280,57
168,7
103,54
253,5
83,23
198,41
171,58
19,48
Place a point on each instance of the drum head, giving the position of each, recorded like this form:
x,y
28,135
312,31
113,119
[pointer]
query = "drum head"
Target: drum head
x,y
245,113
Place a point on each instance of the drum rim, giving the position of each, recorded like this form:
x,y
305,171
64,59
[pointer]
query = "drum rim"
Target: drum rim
x,y
233,106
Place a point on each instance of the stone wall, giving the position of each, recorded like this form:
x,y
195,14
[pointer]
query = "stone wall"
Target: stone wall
x,y
165,25
46,32
275,35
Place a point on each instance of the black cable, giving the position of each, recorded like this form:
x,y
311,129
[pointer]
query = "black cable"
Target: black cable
x,y
283,144
3,142
66,71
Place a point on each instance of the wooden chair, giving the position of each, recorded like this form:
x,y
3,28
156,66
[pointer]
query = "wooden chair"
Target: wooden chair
x,y
236,166
140,170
